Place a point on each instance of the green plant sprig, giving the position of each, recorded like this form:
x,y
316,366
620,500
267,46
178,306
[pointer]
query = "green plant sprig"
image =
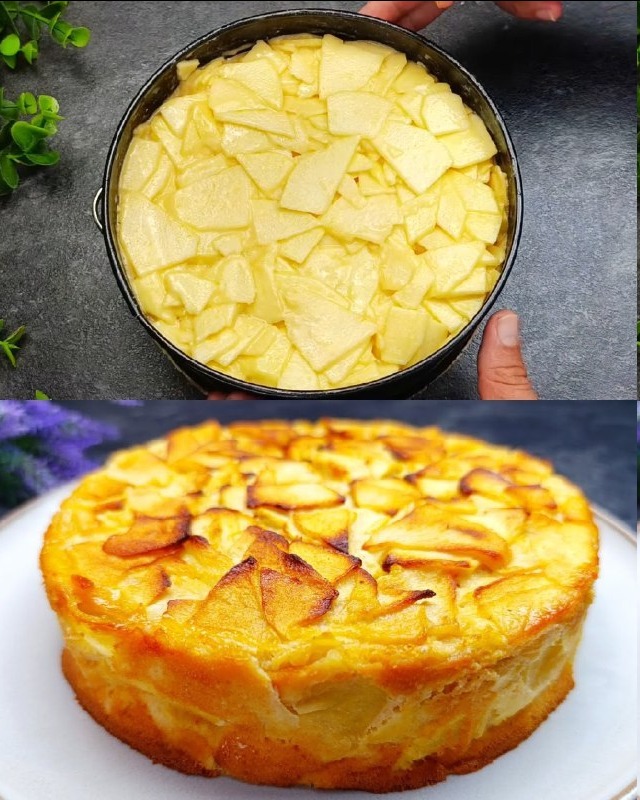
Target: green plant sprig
x,y
9,345
21,26
25,127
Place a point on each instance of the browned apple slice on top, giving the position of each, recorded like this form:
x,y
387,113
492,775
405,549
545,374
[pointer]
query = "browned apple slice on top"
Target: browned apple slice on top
x,y
184,442
297,597
148,534
326,560
330,525
387,495
423,529
485,482
293,496
533,498
234,606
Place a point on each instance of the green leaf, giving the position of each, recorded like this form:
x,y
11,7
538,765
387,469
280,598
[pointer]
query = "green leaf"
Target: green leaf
x,y
46,159
41,395
10,61
30,51
48,103
27,136
80,37
27,103
10,45
8,171
9,345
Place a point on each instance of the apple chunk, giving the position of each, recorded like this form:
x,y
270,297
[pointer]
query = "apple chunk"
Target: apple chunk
x,y
315,178
346,66
416,155
152,239
357,113
218,202
292,496
322,330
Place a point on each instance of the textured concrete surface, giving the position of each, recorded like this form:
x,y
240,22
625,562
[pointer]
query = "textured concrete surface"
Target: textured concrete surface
x,y
567,93
592,443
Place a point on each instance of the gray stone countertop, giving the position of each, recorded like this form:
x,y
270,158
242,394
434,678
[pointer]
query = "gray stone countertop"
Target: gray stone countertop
x,y
566,90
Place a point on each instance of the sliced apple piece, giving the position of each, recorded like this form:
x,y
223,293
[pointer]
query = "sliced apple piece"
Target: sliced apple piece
x,y
236,280
403,334
262,119
486,482
422,529
149,534
357,113
260,76
194,293
290,497
296,598
298,374
531,498
218,202
327,561
453,264
152,239
268,366
267,169
412,293
469,146
314,180
143,157
234,605
237,140
451,213
413,76
273,223
444,113
328,524
347,66
312,321
387,495
373,222
297,248
483,226
417,156
213,320
213,348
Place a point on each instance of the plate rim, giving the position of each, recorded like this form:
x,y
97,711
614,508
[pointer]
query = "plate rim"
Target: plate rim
x,y
628,793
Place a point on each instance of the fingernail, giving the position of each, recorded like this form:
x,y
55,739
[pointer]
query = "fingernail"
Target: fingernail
x,y
508,330
444,5
547,14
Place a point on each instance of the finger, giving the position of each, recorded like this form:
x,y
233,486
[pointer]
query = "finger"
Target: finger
x,y
232,396
414,15
502,374
548,12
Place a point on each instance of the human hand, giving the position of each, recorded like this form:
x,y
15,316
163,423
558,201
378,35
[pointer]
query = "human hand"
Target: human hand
x,y
502,374
415,15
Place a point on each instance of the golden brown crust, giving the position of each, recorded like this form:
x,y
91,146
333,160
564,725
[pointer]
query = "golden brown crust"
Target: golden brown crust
x,y
260,600
275,764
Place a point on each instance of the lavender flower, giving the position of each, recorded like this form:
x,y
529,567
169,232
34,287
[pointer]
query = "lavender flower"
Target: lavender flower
x,y
42,445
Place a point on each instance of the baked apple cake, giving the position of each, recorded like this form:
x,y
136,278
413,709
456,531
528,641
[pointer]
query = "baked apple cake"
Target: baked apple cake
x,y
338,604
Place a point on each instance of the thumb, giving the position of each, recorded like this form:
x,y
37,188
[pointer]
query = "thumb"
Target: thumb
x,y
502,374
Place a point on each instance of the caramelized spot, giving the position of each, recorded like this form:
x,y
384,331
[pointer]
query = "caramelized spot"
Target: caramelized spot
x,y
483,481
149,534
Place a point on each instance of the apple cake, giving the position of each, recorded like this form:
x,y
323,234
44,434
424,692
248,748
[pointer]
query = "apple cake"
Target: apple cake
x,y
337,604
310,185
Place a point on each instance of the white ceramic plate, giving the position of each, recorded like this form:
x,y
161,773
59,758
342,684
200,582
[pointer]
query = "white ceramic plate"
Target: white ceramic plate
x,y
50,749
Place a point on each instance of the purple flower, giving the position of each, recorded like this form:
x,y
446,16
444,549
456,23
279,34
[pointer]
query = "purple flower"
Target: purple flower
x,y
42,445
